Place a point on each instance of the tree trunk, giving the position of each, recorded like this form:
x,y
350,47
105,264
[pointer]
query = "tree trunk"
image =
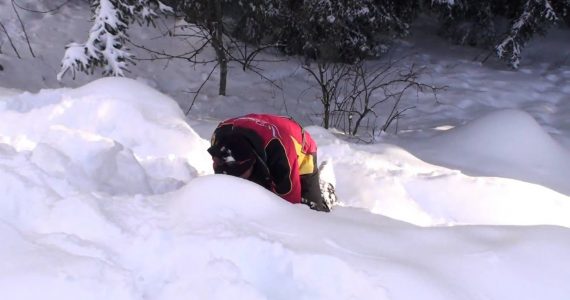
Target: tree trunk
x,y
327,116
325,90
219,47
223,76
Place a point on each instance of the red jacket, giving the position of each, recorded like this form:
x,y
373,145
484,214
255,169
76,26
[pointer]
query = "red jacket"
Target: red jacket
x,y
288,151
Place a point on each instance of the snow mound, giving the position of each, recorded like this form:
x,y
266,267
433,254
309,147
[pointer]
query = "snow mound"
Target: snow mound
x,y
114,135
250,225
35,270
191,203
505,143
505,134
389,180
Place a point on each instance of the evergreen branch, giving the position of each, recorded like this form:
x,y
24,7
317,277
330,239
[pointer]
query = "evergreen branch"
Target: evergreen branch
x,y
535,14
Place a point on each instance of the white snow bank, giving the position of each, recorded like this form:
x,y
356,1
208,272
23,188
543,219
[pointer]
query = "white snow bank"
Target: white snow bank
x,y
505,143
204,243
105,133
388,180
33,267
100,201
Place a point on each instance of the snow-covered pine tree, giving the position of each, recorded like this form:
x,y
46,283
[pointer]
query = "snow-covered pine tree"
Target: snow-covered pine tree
x,y
338,29
533,17
248,21
564,8
344,30
504,25
468,22
105,46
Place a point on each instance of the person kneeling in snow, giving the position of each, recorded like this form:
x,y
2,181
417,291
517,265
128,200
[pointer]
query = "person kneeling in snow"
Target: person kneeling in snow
x,y
272,151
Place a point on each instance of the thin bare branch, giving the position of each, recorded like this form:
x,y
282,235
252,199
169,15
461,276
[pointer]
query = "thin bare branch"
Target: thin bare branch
x,y
40,11
23,28
10,40
352,94
162,55
197,92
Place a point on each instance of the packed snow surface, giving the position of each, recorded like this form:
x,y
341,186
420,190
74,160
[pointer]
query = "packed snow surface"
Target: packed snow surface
x,y
108,194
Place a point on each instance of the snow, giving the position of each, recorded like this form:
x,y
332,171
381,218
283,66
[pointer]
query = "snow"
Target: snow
x,y
108,193
530,155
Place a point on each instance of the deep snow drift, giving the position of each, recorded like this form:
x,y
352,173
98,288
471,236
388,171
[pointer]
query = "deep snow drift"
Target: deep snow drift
x,y
505,143
106,195
106,190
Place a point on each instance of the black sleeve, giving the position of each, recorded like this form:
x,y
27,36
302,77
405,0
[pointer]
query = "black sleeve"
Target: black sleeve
x,y
279,167
311,190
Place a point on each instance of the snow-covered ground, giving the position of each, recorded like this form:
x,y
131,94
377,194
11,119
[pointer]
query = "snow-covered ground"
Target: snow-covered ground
x,y
107,192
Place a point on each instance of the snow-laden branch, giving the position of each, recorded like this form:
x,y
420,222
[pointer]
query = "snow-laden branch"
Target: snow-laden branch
x,y
535,14
105,46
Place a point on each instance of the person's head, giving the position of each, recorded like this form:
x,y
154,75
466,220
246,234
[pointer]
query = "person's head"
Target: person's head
x,y
233,155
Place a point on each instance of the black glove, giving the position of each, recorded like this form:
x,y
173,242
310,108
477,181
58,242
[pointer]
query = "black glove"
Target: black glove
x,y
316,205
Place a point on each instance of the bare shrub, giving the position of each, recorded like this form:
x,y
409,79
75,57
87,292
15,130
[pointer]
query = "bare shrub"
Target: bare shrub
x,y
365,94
